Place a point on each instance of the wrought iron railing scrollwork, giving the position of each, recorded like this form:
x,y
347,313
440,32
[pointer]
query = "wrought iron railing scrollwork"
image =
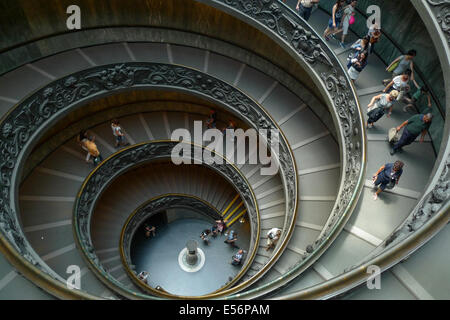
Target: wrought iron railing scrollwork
x,y
155,206
24,124
432,211
21,128
436,200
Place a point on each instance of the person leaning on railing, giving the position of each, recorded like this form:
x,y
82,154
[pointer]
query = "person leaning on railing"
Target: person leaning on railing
x,y
414,126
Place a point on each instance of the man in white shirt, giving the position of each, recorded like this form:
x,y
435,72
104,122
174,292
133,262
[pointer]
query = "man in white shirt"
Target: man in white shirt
x,y
273,236
399,83
304,7
118,133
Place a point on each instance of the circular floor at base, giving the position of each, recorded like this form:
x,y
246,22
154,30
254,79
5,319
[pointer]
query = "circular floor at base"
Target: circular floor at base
x,y
159,256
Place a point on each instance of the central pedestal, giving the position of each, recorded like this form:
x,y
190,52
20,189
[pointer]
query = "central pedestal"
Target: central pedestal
x,y
191,258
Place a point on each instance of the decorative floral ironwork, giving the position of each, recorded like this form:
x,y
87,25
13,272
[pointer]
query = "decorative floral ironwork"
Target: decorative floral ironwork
x,y
20,129
442,13
128,159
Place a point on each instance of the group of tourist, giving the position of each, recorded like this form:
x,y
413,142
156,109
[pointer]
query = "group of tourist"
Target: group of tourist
x,y
397,88
231,237
218,228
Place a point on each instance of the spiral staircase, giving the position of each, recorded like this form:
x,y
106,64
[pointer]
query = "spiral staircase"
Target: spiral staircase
x,y
332,230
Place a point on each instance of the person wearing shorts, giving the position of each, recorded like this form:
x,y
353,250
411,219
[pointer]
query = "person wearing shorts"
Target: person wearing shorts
x,y
335,20
390,173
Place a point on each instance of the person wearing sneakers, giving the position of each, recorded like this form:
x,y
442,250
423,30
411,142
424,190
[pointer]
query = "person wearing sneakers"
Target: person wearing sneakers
x,y
414,126
304,8
335,20
387,177
378,106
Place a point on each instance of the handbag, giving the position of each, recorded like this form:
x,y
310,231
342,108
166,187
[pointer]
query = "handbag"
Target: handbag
x,y
352,20
393,135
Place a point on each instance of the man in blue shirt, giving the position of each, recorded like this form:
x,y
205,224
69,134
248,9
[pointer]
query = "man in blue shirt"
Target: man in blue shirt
x,y
389,174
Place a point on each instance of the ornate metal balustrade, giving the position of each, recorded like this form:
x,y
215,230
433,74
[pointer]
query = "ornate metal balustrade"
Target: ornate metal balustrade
x,y
154,206
22,127
129,158
432,211
295,35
